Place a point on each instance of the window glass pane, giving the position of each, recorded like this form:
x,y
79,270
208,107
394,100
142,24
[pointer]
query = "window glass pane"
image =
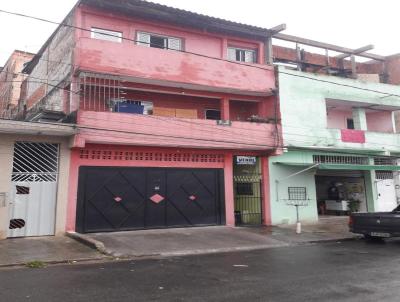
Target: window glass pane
x,y
350,123
143,39
212,114
239,55
158,42
174,43
231,54
249,56
107,35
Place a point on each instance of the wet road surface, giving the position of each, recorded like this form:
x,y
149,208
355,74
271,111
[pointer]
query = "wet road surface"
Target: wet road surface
x,y
347,271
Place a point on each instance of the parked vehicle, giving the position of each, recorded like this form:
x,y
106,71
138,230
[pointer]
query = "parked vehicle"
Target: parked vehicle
x,y
376,225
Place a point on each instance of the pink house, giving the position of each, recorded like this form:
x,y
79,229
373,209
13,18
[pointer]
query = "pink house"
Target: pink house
x,y
176,115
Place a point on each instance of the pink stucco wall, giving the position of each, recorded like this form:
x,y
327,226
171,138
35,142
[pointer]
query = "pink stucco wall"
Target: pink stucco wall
x,y
380,121
137,129
338,119
209,69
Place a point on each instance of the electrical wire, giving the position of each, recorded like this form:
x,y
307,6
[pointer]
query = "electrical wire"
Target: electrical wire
x,y
197,54
193,53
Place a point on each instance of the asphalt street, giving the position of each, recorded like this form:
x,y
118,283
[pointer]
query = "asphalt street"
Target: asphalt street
x,y
347,271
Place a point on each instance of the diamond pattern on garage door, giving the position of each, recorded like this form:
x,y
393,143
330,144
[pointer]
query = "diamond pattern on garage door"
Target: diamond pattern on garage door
x,y
113,199
191,197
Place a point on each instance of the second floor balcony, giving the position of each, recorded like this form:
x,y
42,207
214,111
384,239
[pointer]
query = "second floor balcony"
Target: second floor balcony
x,y
111,110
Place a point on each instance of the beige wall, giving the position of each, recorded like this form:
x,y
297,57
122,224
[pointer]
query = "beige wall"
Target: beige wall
x,y
6,156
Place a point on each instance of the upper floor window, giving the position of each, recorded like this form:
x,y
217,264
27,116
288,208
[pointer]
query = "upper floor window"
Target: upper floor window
x,y
157,41
350,123
212,114
241,55
107,35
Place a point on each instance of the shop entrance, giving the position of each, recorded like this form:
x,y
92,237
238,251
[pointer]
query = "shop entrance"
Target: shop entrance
x,y
247,190
340,192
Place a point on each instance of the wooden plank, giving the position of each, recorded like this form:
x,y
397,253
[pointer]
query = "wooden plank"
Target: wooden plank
x,y
357,51
276,29
160,111
269,56
328,46
186,113
353,67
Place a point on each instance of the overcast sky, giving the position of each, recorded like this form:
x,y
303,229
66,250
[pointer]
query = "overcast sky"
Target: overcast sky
x,y
350,23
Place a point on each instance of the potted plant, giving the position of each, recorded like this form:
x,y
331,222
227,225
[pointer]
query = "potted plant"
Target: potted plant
x,y
353,205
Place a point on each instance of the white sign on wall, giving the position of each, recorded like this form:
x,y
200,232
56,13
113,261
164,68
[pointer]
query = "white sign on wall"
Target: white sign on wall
x,y
246,160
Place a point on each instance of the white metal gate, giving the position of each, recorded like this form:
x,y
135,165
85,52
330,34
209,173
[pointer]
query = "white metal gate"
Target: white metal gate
x,y
386,201
34,189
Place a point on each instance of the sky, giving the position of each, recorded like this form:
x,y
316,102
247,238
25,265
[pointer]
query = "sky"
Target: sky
x,y
349,23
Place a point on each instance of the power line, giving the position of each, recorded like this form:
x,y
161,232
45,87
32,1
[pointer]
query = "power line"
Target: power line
x,y
338,84
123,38
312,148
42,81
189,52
133,40
193,53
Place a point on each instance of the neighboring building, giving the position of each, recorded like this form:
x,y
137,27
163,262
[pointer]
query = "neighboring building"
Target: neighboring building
x,y
11,79
176,114
341,144
34,161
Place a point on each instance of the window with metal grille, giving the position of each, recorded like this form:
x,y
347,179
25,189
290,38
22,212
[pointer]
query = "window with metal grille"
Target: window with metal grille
x,y
384,174
241,55
385,161
297,193
340,159
35,161
107,35
158,41
244,188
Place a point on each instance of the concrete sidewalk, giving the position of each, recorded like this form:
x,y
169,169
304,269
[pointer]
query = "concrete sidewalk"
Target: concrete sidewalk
x,y
167,242
204,240
49,249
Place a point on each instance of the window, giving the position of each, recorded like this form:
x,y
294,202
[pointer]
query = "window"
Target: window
x,y
107,35
350,123
132,106
241,55
213,114
297,193
244,188
157,41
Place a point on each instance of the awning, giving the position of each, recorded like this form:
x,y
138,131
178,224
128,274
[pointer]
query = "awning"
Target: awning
x,y
343,166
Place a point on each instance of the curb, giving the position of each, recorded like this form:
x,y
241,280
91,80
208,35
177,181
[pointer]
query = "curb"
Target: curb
x,y
99,246
90,242
51,262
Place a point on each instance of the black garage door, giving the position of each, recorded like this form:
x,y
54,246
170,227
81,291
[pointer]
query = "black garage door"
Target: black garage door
x,y
116,198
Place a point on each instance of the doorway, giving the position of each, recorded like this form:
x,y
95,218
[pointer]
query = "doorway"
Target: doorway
x,y
34,189
247,190
340,192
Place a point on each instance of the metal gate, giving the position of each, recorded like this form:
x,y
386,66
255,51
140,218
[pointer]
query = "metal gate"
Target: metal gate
x,y
117,199
248,199
386,191
34,189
